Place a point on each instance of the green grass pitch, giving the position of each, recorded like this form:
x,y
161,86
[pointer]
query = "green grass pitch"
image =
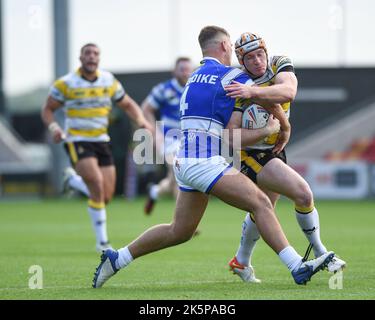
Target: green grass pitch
x,y
57,235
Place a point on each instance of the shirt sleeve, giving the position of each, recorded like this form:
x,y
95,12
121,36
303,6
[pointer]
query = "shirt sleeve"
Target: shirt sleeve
x,y
156,97
58,90
282,64
118,91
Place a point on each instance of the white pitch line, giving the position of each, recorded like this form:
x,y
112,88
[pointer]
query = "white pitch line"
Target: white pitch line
x,y
127,285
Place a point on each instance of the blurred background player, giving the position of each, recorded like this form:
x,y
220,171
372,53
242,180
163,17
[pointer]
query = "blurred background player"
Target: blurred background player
x,y
265,162
201,170
164,102
87,96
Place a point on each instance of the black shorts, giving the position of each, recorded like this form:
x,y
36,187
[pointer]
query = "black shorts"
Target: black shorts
x,y
253,161
83,149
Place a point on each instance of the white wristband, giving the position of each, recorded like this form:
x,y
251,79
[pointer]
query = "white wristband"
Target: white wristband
x,y
53,126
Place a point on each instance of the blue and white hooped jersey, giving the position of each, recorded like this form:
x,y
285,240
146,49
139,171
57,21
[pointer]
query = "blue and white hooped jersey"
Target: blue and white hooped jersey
x,y
165,97
205,109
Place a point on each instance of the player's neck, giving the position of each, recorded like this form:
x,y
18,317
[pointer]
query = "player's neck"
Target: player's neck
x,y
212,53
217,57
90,76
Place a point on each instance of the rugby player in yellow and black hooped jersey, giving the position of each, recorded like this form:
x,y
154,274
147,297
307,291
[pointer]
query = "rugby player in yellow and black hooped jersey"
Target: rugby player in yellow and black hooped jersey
x,y
86,96
265,162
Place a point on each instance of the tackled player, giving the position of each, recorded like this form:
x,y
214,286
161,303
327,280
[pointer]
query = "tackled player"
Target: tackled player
x,y
265,162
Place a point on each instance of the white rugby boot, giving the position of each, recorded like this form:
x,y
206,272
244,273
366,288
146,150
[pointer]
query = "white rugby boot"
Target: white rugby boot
x,y
246,273
308,268
336,264
106,269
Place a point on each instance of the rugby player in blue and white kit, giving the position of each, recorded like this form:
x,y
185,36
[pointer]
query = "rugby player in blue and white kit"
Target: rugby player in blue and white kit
x,y
200,169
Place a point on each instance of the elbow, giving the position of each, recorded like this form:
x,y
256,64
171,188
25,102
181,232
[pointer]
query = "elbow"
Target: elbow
x,y
290,94
286,94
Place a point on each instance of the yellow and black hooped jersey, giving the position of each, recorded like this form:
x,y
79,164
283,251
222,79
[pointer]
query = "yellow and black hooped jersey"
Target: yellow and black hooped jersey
x,y
87,104
276,64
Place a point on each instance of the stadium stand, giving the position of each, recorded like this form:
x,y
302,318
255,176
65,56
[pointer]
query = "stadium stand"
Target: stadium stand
x,y
338,136
360,149
24,167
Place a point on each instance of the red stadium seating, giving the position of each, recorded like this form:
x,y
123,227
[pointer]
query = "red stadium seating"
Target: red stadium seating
x,y
360,149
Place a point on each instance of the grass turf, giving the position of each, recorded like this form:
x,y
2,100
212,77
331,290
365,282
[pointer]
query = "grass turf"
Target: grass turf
x,y
57,235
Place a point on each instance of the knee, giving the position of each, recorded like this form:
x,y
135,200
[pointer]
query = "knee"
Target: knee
x,y
304,197
264,201
261,202
108,196
96,183
183,238
180,235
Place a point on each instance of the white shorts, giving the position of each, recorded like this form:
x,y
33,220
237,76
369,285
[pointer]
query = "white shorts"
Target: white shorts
x,y
199,174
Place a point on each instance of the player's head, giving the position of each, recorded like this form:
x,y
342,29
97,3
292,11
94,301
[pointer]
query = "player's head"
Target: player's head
x,y
215,42
90,57
251,52
182,70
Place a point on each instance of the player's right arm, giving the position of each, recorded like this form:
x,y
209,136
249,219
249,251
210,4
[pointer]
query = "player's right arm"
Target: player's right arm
x,y
50,106
250,137
149,112
134,111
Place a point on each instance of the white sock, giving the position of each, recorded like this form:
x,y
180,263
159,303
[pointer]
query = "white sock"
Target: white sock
x,y
290,258
77,183
124,258
249,238
154,192
99,223
309,223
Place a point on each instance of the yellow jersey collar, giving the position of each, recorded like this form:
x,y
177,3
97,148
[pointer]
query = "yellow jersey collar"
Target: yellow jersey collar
x,y
79,73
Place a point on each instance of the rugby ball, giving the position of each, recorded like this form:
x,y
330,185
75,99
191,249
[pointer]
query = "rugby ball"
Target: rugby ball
x,y
254,117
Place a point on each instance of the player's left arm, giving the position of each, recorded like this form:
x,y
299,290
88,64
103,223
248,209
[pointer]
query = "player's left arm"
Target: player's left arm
x,y
269,97
134,111
286,84
283,90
